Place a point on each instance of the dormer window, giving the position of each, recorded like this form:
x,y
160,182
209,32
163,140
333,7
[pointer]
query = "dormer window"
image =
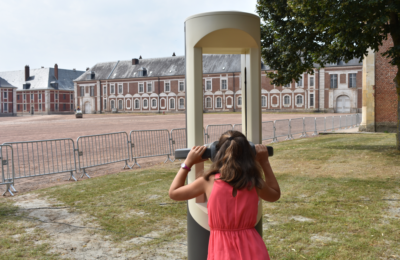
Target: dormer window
x,y
142,72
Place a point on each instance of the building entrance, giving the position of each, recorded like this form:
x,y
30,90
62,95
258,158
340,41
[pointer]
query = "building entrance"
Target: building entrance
x,y
343,104
88,108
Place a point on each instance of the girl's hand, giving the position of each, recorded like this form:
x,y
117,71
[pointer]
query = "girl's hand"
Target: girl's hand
x,y
262,154
194,156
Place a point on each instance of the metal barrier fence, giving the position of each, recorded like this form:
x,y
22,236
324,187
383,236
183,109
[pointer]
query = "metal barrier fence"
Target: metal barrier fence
x,y
7,168
320,124
268,130
237,127
150,143
96,150
282,129
297,127
214,132
44,157
310,126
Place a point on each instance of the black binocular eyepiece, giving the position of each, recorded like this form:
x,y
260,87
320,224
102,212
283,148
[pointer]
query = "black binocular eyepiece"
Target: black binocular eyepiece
x,y
211,151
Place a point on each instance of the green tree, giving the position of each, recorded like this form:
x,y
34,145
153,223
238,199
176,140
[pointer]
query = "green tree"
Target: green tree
x,y
298,34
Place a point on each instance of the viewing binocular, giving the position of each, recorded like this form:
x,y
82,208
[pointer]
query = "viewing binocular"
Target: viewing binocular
x,y
211,151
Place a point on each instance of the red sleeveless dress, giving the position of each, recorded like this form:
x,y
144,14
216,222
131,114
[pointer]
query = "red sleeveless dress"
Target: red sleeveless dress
x,y
232,220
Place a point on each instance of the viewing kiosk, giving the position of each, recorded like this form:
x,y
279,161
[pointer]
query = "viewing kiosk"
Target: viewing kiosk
x,y
219,33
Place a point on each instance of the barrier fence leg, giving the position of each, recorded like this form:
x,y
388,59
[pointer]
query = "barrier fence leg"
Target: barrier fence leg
x,y
11,185
135,162
8,189
127,165
84,173
72,176
168,159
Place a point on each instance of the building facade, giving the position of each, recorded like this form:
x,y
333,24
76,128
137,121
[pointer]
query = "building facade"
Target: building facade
x,y
42,91
158,85
7,98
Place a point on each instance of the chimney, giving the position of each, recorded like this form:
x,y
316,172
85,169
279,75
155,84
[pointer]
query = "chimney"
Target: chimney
x,y
87,68
56,71
135,61
173,54
27,73
140,57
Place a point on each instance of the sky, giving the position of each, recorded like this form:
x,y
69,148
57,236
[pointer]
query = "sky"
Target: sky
x,y
79,34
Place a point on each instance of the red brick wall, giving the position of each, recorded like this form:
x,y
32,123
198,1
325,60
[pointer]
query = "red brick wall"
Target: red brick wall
x,y
385,89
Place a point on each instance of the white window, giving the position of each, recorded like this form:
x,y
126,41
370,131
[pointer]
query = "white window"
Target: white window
x,y
263,101
32,97
333,80
352,80
208,102
154,103
172,103
224,85
5,108
299,100
24,107
92,91
56,96
219,102
112,89
181,86
120,89
40,107
311,82
5,94
137,104
72,97
141,88
208,85
181,103
239,101
82,91
149,87
104,90
72,107
56,106
300,82
105,104
145,103
112,104
120,104
40,96
25,97
167,87
286,100
286,86
311,100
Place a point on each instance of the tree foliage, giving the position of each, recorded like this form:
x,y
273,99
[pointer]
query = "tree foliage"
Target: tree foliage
x,y
299,35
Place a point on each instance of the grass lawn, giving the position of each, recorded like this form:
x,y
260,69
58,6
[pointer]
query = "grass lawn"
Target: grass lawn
x,y
340,200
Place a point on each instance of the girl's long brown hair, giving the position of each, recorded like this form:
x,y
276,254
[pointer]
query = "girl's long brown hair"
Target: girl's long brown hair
x,y
236,162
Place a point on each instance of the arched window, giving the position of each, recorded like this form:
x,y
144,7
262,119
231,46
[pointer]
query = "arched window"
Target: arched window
x,y
208,102
263,101
239,101
112,104
154,102
219,102
172,103
120,104
181,103
137,104
299,100
145,103
286,100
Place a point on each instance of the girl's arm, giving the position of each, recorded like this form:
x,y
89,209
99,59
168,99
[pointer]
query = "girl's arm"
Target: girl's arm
x,y
271,191
180,191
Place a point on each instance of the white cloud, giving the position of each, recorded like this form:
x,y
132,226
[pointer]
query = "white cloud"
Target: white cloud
x,y
78,34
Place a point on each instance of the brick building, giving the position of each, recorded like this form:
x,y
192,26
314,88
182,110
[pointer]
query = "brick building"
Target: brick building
x,y
380,99
7,98
155,85
42,91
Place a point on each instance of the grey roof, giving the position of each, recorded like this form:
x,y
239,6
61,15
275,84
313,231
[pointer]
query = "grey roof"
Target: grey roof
x,y
40,78
161,67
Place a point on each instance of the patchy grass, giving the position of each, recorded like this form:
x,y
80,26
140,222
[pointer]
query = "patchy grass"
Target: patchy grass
x,y
340,200
19,238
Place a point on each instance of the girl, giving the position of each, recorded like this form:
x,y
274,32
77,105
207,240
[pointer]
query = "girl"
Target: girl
x,y
233,186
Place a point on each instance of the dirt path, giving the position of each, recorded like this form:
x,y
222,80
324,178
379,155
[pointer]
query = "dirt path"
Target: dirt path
x,y
74,235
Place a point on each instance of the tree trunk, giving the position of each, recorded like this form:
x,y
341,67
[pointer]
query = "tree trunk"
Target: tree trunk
x,y
397,81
